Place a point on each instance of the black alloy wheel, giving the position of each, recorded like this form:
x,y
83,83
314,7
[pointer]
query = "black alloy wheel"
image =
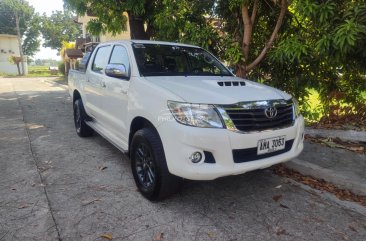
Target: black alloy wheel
x,y
145,167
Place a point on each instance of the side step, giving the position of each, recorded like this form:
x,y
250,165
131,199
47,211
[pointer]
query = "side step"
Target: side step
x,y
119,144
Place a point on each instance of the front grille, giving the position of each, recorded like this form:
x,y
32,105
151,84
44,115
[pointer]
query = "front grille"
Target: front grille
x,y
251,116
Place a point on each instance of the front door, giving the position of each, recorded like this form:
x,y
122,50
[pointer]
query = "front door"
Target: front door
x,y
116,96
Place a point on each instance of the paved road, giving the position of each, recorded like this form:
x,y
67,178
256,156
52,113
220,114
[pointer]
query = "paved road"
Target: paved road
x,y
57,186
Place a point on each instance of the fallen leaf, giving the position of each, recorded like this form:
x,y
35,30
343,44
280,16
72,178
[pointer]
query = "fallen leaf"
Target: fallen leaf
x,y
352,228
330,144
211,235
279,186
283,206
23,205
100,188
159,237
277,197
281,231
356,148
107,236
87,202
101,168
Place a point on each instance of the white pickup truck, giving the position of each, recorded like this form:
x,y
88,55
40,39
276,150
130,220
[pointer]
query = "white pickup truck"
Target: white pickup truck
x,y
181,114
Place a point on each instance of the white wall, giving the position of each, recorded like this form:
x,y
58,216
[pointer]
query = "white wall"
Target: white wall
x,y
107,36
9,47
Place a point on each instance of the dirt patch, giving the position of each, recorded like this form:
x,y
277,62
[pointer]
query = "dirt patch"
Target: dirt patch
x,y
358,147
319,184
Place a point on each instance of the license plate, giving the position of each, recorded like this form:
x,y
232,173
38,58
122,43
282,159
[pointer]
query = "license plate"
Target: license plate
x,y
271,145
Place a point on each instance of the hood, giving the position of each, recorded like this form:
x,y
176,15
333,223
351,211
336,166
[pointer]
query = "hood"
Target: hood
x,y
216,89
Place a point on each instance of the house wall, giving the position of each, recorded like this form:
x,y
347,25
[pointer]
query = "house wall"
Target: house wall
x,y
9,47
103,37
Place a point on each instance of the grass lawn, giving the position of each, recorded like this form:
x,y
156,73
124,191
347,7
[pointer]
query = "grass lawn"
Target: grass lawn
x,y
41,71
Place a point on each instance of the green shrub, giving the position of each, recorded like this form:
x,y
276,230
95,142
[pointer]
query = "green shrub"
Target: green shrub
x,y
61,68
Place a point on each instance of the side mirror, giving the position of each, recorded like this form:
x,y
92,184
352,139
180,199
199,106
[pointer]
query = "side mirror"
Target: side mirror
x,y
117,71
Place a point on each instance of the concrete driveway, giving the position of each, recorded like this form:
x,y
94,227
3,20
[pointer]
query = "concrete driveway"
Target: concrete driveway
x,y
57,186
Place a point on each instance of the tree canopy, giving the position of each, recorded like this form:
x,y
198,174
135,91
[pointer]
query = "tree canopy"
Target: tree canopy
x,y
296,45
322,47
140,12
58,28
28,23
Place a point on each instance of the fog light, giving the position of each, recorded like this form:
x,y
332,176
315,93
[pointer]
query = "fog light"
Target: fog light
x,y
196,157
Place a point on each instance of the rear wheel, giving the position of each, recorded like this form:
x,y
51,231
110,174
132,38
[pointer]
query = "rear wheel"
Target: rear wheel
x,y
82,129
149,166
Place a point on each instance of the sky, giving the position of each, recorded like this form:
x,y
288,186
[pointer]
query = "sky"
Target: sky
x,y
46,6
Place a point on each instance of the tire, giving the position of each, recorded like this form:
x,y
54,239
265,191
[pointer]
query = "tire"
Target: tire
x,y
149,166
82,129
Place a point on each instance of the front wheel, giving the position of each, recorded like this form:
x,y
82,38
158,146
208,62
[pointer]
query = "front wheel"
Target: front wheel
x,y
149,166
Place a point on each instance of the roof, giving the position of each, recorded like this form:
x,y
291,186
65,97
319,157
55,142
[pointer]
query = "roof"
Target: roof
x,y
73,53
150,42
82,41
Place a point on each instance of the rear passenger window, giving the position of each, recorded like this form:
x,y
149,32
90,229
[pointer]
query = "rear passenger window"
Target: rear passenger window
x,y
120,56
101,59
84,62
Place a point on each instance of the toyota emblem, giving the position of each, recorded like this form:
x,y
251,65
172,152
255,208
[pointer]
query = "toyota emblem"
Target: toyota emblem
x,y
270,112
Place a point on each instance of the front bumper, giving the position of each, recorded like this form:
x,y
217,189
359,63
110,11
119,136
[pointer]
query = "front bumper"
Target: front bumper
x,y
181,141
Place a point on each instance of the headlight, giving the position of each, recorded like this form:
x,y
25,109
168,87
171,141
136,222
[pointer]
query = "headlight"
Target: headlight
x,y
296,108
200,115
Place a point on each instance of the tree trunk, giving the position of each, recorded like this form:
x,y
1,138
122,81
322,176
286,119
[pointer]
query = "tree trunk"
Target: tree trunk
x,y
268,45
248,21
19,73
137,27
19,42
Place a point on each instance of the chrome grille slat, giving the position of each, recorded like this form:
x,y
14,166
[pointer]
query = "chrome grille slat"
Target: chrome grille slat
x,y
285,116
251,117
274,123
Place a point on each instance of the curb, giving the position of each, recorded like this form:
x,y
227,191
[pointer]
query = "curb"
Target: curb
x,y
349,135
357,186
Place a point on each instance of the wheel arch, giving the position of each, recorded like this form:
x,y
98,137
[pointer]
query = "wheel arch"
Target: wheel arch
x,y
76,95
138,123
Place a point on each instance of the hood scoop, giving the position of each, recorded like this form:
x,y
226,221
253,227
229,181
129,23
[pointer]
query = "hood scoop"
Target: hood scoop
x,y
231,83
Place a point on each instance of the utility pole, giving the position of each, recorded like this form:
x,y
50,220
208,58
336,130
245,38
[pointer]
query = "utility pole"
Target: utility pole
x,y
19,41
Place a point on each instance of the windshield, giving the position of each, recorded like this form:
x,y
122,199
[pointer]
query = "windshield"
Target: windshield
x,y
169,60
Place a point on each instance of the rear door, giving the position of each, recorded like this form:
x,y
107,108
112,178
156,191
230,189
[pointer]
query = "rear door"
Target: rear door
x,y
115,97
95,83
